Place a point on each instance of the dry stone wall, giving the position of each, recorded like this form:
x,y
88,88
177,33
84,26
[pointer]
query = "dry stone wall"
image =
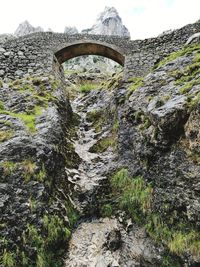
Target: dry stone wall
x,y
35,53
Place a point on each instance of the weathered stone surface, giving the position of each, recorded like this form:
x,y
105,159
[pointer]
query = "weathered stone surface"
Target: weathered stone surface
x,y
89,246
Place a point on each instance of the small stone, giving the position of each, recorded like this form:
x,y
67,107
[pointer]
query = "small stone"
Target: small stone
x,y
2,72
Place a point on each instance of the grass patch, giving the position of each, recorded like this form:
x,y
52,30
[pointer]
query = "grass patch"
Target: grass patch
x,y
5,135
136,83
28,119
106,210
135,196
193,101
103,144
187,50
8,259
8,167
87,87
48,244
1,105
188,86
29,168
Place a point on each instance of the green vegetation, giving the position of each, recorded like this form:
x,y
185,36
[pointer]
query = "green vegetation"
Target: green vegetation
x,y
106,210
189,76
98,118
32,204
49,242
103,144
8,167
189,85
5,135
49,246
28,119
1,83
8,259
41,175
6,122
1,105
136,83
87,87
29,168
187,50
135,196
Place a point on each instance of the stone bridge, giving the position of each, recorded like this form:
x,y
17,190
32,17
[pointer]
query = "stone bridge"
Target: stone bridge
x,y
43,53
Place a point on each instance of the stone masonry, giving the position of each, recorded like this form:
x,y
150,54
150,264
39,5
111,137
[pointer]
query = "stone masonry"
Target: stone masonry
x,y
45,52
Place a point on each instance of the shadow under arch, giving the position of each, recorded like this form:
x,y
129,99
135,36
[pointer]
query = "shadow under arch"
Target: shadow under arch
x,y
89,48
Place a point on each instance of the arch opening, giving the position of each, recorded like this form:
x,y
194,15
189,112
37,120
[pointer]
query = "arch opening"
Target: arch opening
x,y
89,48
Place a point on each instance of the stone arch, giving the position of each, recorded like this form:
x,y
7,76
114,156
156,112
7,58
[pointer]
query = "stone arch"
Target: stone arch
x,y
89,48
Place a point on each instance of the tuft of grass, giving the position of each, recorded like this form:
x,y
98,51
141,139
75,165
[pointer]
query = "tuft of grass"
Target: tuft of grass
x,y
41,175
28,119
136,83
29,168
87,87
189,85
1,83
106,210
56,231
32,204
8,259
135,196
1,105
5,135
193,101
103,144
8,167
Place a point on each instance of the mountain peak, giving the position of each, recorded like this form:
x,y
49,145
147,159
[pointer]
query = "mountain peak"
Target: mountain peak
x,y
26,28
108,23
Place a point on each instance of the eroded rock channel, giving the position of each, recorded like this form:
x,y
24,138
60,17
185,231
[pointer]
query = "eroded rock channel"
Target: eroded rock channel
x,y
100,241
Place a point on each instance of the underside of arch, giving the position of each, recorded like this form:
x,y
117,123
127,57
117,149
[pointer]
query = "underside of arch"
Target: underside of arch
x,y
89,49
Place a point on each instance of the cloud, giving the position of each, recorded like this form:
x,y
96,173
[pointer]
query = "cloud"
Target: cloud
x,y
144,18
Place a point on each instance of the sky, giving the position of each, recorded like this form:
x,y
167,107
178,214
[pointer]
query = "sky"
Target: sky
x,y
143,18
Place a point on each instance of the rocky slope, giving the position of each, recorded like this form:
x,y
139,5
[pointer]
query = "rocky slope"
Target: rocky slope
x,y
111,179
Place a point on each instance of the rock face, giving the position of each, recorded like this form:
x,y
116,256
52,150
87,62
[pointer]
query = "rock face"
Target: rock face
x,y
26,28
108,23
70,30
